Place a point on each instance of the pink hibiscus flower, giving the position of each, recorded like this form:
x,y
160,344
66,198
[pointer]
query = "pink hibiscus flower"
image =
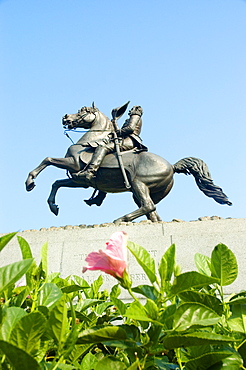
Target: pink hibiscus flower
x,y
113,260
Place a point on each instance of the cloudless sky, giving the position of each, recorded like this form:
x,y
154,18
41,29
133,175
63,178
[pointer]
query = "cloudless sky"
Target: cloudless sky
x,y
183,61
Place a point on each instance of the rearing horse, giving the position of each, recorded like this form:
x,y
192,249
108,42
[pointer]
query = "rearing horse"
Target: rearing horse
x,y
150,176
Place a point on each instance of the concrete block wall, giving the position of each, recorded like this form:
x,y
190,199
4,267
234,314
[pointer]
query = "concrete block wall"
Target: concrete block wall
x,y
69,245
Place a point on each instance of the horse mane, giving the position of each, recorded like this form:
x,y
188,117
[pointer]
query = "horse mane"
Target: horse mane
x,y
100,129
90,109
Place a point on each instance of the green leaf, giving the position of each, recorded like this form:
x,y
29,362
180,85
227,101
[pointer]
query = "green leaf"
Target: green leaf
x,y
115,291
44,258
64,367
28,331
163,363
208,360
100,309
206,299
18,358
242,350
78,351
224,265
71,339
119,304
132,331
26,253
137,312
22,293
102,334
10,274
151,309
237,321
110,363
146,290
25,248
58,366
190,314
239,298
58,322
144,259
96,285
53,277
44,310
80,281
191,279
232,362
195,339
167,316
203,264
71,288
89,361
134,366
163,271
86,303
5,239
167,264
11,317
49,295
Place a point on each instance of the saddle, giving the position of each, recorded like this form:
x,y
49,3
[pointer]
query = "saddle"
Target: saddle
x,y
111,161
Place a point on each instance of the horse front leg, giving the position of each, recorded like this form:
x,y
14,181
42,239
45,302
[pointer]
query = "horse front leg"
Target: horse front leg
x,y
68,163
142,195
68,183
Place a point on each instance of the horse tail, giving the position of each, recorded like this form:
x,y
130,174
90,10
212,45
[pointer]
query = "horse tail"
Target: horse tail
x,y
199,169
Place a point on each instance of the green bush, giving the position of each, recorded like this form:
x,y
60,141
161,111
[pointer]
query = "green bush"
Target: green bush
x,y
182,321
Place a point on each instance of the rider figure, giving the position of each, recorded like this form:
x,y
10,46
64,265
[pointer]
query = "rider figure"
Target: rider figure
x,y
129,139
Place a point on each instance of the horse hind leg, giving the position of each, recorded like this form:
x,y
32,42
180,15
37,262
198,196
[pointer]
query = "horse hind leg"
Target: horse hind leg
x,y
157,197
152,216
161,194
146,205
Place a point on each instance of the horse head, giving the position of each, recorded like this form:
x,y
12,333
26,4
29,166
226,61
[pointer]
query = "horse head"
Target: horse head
x,y
84,118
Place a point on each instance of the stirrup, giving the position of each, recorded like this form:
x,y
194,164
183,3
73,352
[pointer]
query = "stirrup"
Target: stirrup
x,y
87,178
84,174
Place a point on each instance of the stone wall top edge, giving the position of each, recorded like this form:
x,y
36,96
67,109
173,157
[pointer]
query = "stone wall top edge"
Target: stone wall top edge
x,y
136,224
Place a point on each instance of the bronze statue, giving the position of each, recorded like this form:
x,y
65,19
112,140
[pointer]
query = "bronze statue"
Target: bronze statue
x,y
146,175
128,138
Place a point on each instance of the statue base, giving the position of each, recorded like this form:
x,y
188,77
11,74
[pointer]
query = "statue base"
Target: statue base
x,y
69,246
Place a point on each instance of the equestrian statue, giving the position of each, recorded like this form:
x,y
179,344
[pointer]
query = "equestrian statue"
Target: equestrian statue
x,y
114,160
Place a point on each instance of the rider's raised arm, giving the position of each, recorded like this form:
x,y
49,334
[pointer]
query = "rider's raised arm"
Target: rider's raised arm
x,y
132,124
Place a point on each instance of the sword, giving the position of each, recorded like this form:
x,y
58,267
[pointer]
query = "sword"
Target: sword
x,y
117,113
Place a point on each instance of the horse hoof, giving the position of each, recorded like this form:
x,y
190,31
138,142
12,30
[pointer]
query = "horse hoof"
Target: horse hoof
x,y
30,185
54,209
119,220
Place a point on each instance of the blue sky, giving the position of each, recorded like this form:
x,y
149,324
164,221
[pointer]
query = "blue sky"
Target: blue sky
x,y
183,61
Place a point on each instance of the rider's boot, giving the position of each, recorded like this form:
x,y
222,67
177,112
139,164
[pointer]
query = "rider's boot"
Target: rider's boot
x,y
90,172
96,200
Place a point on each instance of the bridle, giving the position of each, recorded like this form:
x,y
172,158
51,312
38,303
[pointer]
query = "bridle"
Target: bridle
x,y
74,129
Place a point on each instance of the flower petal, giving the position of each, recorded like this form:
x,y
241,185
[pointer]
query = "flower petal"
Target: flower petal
x,y
101,261
114,260
116,247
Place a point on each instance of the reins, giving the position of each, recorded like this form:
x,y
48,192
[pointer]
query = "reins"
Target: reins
x,y
80,131
65,133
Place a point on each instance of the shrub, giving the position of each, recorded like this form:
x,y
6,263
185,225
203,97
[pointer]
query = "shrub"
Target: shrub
x,y
180,321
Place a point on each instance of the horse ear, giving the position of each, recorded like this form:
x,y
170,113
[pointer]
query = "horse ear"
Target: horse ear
x,y
93,105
